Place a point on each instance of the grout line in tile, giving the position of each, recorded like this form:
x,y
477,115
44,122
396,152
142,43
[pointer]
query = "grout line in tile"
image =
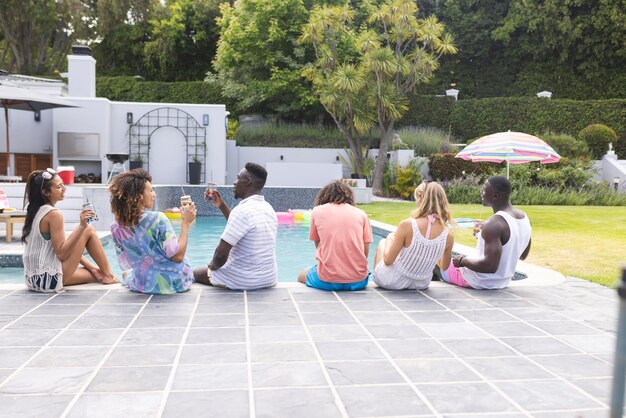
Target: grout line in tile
x,y
99,366
576,320
499,339
391,360
179,353
43,347
486,414
556,337
8,294
252,406
338,402
29,311
473,369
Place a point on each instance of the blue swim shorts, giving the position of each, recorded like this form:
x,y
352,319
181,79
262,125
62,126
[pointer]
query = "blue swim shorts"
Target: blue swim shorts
x,y
313,280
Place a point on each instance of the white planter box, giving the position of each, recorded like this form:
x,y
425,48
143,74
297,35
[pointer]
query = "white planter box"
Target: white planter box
x,y
359,182
362,195
402,157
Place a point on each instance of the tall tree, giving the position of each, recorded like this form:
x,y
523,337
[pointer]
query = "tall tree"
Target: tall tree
x,y
581,40
37,35
258,59
123,28
482,66
394,52
183,44
337,80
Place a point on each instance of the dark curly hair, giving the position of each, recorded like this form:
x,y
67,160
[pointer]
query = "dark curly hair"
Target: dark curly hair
x,y
335,192
126,195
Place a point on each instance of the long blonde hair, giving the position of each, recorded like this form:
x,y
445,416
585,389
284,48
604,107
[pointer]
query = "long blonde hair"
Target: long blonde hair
x,y
431,199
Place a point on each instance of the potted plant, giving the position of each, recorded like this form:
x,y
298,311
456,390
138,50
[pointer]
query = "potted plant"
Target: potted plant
x,y
195,165
358,165
136,162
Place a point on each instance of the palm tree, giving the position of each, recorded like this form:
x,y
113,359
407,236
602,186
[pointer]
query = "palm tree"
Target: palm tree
x,y
366,76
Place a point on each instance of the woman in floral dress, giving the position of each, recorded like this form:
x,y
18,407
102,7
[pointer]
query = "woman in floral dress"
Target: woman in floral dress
x,y
152,257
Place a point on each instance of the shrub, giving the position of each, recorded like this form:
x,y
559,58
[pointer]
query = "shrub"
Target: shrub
x,y
406,179
464,190
447,167
425,140
520,174
289,135
574,174
597,138
566,145
233,129
467,190
571,173
598,194
389,178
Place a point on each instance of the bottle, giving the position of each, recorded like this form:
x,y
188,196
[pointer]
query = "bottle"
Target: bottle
x,y
90,206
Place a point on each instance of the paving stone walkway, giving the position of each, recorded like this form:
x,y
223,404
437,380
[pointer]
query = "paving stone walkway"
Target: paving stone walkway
x,y
296,352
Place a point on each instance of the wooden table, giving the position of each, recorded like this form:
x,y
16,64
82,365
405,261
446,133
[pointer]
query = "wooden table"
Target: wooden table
x,y
10,218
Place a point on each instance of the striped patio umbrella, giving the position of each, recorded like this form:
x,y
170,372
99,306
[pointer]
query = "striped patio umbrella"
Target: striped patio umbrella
x,y
512,147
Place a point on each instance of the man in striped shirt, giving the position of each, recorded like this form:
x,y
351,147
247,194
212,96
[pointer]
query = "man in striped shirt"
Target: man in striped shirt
x,y
245,258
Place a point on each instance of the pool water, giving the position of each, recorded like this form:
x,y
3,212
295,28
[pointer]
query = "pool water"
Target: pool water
x,y
294,251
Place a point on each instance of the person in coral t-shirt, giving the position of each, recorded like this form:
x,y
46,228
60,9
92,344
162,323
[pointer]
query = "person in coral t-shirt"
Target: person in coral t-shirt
x,y
342,234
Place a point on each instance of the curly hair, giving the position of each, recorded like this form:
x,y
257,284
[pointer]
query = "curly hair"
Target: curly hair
x,y
335,192
127,195
431,199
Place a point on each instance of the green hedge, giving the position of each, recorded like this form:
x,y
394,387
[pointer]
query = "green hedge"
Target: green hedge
x,y
289,135
131,89
465,119
432,111
472,118
477,117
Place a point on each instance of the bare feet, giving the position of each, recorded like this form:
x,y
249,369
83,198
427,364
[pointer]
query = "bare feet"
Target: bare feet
x,y
104,278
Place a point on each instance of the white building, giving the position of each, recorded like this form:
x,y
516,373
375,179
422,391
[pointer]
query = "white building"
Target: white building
x,y
166,137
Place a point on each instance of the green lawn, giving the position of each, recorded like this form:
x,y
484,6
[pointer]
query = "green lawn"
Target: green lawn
x,y
582,241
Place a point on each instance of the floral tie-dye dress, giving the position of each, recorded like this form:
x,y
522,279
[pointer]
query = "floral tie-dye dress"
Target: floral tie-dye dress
x,y
144,252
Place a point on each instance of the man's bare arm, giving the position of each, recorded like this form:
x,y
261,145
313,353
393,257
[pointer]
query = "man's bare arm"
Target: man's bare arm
x,y
221,255
526,251
490,261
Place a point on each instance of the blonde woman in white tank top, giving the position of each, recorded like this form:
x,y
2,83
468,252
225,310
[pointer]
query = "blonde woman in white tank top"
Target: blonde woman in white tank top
x,y
406,258
50,260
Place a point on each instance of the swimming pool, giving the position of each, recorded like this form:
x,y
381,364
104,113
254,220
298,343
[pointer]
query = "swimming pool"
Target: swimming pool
x,y
294,251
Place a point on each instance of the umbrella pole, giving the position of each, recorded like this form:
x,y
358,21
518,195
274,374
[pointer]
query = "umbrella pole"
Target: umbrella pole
x,y
6,119
507,169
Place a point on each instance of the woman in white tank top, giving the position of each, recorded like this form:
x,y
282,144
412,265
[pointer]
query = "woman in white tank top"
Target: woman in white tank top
x,y
406,258
50,260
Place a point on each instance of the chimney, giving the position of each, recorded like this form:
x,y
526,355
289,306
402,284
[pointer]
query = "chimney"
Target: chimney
x,y
81,72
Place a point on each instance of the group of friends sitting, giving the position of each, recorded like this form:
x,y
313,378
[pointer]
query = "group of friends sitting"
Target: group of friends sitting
x,y
153,260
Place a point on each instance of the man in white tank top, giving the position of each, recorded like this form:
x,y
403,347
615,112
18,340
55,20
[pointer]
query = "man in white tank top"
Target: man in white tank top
x,y
503,239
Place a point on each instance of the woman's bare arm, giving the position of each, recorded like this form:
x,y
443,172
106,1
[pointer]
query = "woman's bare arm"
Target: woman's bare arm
x,y
188,215
54,222
395,245
444,262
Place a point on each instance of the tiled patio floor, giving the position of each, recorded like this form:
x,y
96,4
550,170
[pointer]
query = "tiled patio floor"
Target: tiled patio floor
x,y
295,352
